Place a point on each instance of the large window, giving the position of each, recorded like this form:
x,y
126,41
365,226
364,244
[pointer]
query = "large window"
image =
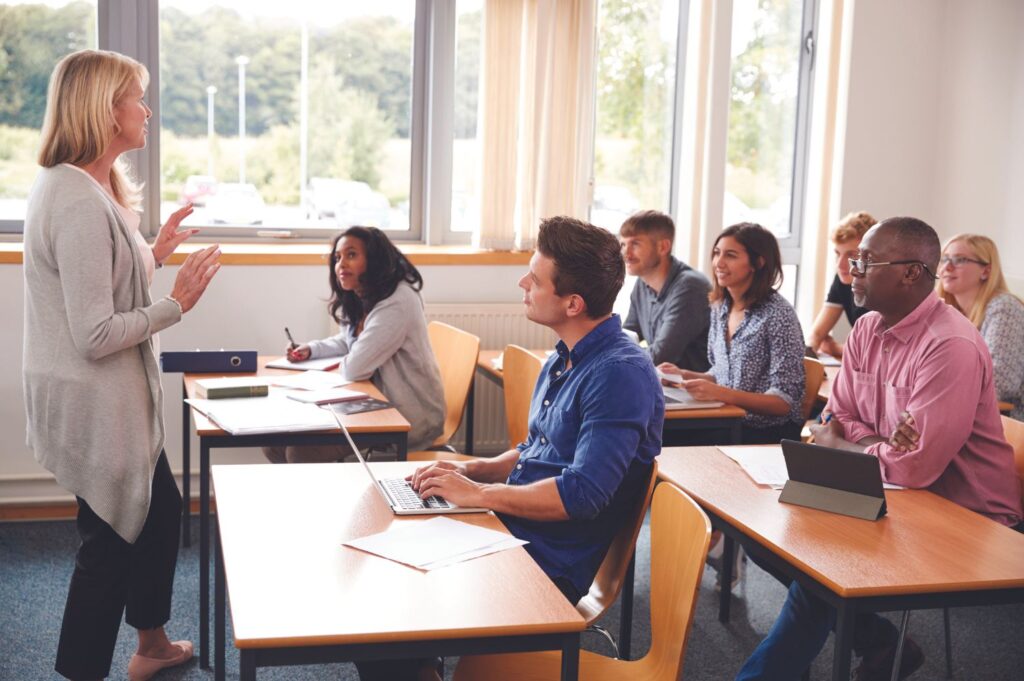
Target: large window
x,y
764,155
769,103
33,37
276,117
636,85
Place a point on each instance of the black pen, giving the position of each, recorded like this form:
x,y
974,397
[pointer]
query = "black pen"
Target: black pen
x,y
290,339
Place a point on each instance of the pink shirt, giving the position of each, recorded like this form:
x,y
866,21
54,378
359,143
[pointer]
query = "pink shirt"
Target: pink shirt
x,y
933,364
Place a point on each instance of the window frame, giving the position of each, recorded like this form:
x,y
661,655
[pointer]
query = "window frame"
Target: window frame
x,y
132,27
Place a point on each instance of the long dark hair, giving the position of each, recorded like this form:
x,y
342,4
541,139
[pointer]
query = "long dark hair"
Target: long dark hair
x,y
763,251
386,268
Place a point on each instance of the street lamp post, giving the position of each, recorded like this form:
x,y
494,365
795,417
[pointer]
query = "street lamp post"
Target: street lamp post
x,y
210,92
241,61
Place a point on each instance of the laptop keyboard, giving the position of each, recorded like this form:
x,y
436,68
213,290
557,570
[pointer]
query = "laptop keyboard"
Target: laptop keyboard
x,y
407,498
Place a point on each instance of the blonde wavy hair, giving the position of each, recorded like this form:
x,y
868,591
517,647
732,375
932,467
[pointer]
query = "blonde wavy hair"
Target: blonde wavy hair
x,y
79,124
983,249
853,226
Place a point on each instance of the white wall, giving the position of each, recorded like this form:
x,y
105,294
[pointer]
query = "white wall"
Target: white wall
x,y
246,307
935,122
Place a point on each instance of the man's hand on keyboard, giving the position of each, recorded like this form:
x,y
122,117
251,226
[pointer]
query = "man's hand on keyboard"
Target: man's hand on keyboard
x,y
426,471
448,482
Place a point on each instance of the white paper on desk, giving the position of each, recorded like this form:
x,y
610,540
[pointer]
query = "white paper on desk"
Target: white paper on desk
x,y
497,362
766,465
255,415
310,380
434,543
322,364
828,360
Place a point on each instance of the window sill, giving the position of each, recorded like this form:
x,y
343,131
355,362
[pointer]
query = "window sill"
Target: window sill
x,y
313,254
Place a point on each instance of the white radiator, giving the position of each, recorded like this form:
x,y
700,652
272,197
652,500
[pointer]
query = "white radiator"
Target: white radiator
x,y
497,325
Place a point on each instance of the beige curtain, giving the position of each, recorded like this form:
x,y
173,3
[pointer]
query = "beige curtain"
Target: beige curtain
x,y
537,117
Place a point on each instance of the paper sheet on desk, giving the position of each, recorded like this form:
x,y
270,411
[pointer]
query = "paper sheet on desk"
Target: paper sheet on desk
x,y
310,380
766,465
434,543
322,364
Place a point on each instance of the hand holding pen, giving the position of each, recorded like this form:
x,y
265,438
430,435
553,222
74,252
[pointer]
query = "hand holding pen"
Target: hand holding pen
x,y
294,351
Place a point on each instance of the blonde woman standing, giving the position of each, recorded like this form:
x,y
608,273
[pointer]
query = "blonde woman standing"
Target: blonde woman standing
x,y
971,280
93,399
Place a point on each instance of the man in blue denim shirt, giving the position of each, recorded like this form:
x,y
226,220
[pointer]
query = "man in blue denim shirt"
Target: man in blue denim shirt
x,y
595,419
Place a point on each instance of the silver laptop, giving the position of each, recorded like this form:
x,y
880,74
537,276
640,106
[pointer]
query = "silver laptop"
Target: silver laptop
x,y
397,492
680,398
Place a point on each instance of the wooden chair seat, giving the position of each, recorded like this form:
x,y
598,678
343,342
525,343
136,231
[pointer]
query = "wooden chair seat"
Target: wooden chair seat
x,y
680,534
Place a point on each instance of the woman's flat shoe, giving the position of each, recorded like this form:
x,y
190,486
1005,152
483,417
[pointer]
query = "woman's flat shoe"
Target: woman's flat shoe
x,y
141,668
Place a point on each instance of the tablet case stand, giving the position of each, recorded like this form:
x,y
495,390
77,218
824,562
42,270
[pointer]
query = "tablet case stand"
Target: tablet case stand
x,y
861,506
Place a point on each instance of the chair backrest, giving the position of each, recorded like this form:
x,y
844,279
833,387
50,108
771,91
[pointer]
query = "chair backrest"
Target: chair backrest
x,y
612,572
680,535
1013,430
456,352
520,369
814,374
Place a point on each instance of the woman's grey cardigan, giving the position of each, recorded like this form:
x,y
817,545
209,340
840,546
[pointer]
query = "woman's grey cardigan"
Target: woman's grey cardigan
x,y
92,385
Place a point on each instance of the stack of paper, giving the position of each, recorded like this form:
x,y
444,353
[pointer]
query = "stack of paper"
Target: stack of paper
x,y
434,543
254,415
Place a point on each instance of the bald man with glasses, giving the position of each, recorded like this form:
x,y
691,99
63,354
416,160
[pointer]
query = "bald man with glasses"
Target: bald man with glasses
x,y
916,390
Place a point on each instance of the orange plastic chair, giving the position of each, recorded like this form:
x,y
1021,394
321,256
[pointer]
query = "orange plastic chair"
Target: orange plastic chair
x,y
520,369
611,575
456,352
814,375
680,534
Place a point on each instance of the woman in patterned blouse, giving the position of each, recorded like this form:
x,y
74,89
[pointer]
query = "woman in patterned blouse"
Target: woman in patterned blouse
x,y
755,345
971,280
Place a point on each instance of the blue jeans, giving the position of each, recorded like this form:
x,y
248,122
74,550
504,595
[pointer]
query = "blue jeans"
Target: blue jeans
x,y
799,634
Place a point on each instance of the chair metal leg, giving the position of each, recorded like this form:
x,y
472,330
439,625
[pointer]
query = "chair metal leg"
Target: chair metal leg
x,y
949,644
595,629
899,646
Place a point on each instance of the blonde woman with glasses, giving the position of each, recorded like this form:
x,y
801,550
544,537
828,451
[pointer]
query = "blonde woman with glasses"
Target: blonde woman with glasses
x,y
971,280
93,399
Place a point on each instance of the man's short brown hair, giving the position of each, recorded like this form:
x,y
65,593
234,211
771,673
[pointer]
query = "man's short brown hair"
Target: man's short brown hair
x,y
651,223
587,262
852,227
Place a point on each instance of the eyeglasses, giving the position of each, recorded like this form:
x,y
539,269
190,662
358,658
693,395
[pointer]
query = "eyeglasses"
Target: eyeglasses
x,y
959,261
861,266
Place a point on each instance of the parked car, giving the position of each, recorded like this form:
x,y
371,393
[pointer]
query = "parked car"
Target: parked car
x,y
349,202
236,204
198,189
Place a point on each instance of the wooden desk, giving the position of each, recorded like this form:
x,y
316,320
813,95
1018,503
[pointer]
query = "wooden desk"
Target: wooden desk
x,y
728,418
384,427
926,553
830,376
299,597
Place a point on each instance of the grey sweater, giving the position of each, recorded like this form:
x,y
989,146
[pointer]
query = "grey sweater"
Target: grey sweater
x,y
393,351
93,399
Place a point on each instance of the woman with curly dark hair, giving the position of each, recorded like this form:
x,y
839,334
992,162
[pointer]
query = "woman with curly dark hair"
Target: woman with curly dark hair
x,y
375,299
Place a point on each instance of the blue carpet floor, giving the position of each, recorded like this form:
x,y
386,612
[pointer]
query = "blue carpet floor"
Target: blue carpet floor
x,y
36,561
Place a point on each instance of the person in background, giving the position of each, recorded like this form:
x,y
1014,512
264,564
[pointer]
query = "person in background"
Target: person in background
x,y
916,391
971,280
846,240
93,399
668,307
375,298
755,346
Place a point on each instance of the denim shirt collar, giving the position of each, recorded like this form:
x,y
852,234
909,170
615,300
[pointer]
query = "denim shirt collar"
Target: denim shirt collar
x,y
674,270
592,341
